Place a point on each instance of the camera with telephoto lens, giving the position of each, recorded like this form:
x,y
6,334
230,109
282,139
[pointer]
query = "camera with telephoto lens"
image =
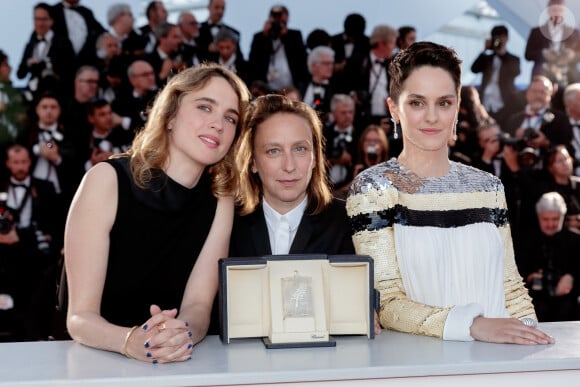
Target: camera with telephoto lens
x,y
275,29
6,218
527,156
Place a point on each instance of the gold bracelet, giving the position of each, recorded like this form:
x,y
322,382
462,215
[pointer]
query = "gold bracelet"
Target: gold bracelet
x,y
126,341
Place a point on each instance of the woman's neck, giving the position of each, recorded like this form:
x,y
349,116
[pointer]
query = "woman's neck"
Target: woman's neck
x,y
425,163
186,175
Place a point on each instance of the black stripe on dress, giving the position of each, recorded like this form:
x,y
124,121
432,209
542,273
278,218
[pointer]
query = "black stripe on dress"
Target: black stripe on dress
x,y
444,219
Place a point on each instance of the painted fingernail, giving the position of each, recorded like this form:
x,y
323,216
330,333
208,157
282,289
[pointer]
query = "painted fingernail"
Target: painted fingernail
x,y
189,334
189,358
155,361
147,344
189,346
186,324
145,327
149,354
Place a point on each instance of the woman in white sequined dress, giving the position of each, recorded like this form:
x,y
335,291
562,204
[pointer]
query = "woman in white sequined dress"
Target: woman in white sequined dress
x,y
437,229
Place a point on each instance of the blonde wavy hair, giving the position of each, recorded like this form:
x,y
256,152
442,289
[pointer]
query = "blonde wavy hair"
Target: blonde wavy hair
x,y
250,190
150,150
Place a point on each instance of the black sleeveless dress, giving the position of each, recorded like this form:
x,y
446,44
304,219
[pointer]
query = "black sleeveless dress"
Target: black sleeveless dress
x,y
156,238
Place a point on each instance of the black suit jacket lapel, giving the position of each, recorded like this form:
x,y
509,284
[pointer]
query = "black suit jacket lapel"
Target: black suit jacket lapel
x,y
303,235
259,233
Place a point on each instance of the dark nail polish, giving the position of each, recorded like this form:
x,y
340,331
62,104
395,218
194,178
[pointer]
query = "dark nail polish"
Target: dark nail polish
x,y
190,346
145,327
186,324
149,354
189,334
147,344
155,361
189,358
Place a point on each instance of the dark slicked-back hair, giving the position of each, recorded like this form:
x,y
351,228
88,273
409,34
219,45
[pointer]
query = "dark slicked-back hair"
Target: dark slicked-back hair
x,y
422,54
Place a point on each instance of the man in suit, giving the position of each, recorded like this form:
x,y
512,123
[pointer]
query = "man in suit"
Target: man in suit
x,y
51,151
209,29
499,69
278,54
539,124
106,139
131,106
78,24
226,55
30,248
165,59
370,82
351,47
48,58
190,48
552,46
121,20
319,90
341,142
156,14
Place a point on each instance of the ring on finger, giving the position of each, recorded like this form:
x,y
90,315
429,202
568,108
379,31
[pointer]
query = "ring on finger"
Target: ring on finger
x,y
530,322
162,327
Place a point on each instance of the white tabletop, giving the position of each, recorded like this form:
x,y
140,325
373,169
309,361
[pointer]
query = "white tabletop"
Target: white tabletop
x,y
390,355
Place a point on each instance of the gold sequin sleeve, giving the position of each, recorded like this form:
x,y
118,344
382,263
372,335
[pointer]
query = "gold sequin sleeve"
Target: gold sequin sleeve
x,y
517,300
397,311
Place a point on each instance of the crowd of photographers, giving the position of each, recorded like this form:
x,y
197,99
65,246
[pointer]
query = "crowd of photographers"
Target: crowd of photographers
x,y
88,88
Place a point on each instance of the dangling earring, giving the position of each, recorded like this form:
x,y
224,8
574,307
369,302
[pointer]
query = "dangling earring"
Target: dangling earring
x,y
455,130
395,133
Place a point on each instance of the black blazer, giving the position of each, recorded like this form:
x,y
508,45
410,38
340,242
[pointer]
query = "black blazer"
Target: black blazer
x,y
205,38
508,71
87,54
558,130
326,233
62,58
537,41
262,50
360,51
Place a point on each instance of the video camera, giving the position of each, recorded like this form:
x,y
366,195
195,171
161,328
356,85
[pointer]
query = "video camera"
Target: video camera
x,y
527,156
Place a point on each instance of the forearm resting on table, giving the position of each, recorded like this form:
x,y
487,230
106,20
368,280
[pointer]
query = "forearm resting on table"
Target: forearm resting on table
x,y
92,330
198,317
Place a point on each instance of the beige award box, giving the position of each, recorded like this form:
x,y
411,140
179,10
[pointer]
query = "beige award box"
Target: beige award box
x,y
296,300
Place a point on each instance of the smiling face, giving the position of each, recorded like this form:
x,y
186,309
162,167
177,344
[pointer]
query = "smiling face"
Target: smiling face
x,y
204,126
284,159
427,109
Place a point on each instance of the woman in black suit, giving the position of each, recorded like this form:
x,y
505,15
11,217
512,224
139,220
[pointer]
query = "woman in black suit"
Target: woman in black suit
x,y
286,205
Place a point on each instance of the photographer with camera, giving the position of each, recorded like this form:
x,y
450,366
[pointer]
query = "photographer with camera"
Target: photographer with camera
x,y
166,59
538,123
548,262
341,141
499,68
278,54
30,241
48,58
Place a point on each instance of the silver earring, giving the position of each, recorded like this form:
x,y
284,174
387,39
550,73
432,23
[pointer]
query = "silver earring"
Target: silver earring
x,y
395,133
455,130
